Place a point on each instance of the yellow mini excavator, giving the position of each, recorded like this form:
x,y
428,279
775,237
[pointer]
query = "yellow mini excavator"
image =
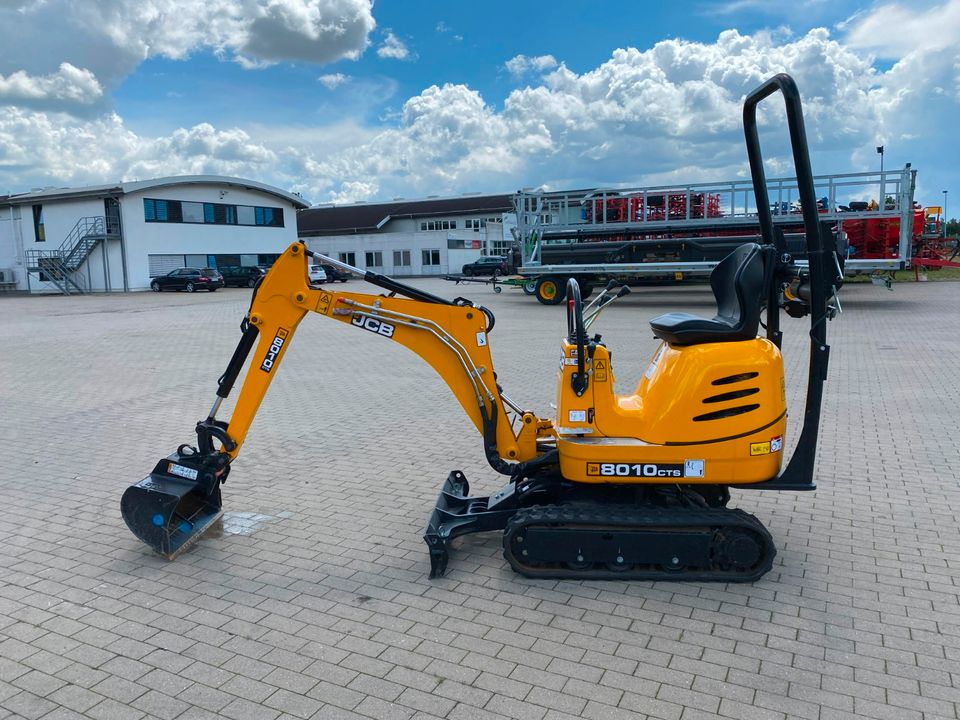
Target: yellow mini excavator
x,y
615,486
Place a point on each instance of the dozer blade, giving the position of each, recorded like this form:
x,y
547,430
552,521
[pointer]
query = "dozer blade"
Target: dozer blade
x,y
168,512
456,514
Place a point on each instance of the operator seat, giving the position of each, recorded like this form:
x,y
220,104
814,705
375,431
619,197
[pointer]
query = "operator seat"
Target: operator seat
x,y
738,286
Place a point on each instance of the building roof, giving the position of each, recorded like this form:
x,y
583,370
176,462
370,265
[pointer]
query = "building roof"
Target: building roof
x,y
371,217
123,188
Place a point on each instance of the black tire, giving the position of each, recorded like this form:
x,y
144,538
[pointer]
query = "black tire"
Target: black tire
x,y
529,287
251,282
155,286
586,290
189,287
550,290
468,271
212,289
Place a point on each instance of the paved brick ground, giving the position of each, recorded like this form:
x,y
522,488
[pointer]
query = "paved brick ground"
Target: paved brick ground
x,y
314,602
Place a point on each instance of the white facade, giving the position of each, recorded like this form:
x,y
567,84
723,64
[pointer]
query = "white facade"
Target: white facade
x,y
125,258
403,248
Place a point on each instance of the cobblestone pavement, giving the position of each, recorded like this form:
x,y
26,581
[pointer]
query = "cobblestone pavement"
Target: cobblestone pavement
x,y
314,601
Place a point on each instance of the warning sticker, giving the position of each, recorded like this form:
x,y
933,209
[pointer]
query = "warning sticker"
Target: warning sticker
x,y
776,444
600,371
323,304
760,448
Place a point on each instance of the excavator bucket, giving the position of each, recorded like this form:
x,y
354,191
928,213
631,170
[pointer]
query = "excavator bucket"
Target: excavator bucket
x,y
170,510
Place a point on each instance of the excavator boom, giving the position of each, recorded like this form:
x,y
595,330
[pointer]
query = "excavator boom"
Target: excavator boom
x,y
180,499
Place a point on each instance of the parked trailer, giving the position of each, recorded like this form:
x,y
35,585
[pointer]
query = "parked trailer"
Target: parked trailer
x,y
629,234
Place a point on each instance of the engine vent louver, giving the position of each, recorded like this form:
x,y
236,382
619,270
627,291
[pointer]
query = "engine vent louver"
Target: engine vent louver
x,y
739,377
732,395
728,412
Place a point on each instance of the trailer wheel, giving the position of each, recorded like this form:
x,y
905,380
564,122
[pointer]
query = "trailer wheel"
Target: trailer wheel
x,y
586,290
529,287
550,291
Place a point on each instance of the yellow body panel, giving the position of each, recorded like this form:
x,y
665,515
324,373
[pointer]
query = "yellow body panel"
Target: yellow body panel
x,y
710,413
707,413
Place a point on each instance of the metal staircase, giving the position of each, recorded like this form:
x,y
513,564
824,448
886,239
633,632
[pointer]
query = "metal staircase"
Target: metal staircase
x,y
62,266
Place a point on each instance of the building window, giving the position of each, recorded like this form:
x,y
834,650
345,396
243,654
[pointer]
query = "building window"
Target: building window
x,y
272,217
39,232
349,258
439,225
374,259
245,215
401,258
430,257
177,211
219,214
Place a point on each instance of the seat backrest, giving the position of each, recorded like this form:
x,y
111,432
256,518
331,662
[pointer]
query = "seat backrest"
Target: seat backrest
x,y
737,283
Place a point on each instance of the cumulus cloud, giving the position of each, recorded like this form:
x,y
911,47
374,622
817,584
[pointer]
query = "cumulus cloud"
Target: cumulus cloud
x,y
640,115
668,113
318,31
520,65
62,149
394,48
117,35
333,80
68,86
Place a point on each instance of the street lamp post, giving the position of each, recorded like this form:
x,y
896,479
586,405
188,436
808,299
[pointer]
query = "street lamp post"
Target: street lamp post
x,y
944,214
880,151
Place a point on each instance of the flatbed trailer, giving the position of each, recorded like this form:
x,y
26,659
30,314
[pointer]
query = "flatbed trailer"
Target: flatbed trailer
x,y
626,234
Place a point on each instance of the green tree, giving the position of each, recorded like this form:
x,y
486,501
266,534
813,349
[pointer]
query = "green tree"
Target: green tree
x,y
953,228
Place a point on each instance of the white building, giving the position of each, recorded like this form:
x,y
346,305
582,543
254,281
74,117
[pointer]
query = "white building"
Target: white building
x,y
433,236
116,237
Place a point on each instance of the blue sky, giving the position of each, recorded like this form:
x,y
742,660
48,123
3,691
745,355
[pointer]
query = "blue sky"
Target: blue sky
x,y
346,100
466,43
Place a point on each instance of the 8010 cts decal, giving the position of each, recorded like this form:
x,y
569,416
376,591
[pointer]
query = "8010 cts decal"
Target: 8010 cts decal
x,y
688,468
635,469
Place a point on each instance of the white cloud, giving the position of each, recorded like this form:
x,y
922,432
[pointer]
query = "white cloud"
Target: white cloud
x,y
394,48
333,80
520,65
669,113
111,37
894,30
68,86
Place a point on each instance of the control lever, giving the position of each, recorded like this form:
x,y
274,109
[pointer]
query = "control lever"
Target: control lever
x,y
604,300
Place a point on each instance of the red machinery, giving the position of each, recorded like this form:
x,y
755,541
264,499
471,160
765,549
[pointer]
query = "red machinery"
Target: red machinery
x,y
630,208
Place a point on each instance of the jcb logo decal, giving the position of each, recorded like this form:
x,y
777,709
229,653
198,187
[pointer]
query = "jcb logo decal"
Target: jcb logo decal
x,y
275,347
372,324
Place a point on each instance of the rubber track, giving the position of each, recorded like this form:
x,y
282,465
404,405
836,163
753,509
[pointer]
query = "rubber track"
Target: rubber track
x,y
610,517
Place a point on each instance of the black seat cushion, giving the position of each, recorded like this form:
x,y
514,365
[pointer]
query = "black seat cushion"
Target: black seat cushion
x,y
738,286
